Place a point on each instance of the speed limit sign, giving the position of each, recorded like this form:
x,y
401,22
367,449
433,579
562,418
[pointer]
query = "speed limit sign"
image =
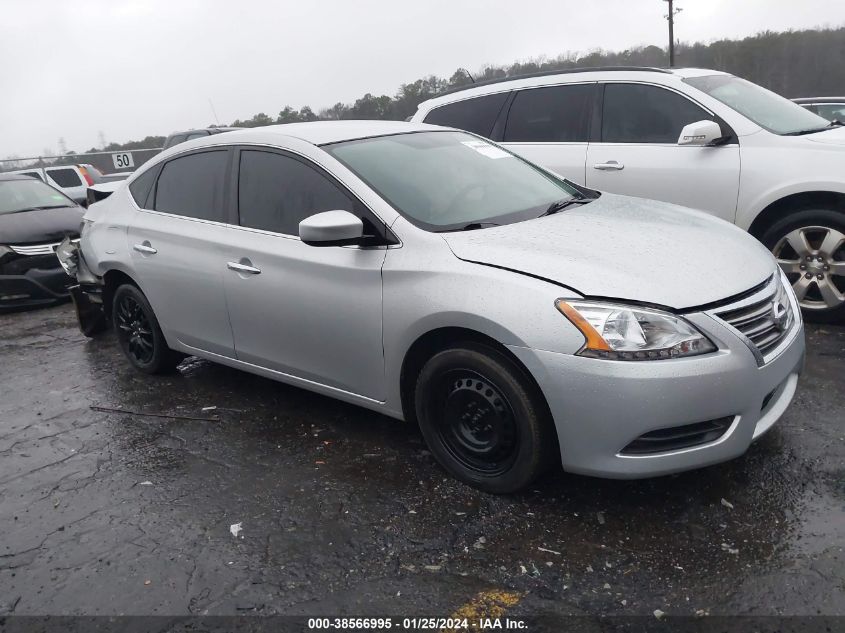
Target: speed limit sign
x,y
122,160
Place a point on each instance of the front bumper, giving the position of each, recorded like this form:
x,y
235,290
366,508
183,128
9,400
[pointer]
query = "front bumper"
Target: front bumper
x,y
35,287
600,406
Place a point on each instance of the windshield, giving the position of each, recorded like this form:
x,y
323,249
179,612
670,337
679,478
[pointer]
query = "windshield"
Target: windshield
x,y
767,109
27,194
443,181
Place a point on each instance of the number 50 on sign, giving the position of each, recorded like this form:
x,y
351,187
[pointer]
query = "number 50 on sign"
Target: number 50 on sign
x,y
122,160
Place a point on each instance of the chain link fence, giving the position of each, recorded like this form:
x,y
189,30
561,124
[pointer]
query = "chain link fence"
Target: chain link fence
x,y
105,162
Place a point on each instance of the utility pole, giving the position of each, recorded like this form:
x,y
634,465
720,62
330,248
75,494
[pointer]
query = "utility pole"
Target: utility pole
x,y
671,17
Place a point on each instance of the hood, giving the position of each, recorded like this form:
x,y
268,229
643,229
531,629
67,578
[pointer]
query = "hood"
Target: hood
x,y
626,248
833,136
39,226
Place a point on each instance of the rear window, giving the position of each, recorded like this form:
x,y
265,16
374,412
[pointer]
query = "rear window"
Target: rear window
x,y
553,114
476,115
65,177
141,187
192,186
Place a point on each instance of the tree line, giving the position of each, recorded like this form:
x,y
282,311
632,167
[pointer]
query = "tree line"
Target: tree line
x,y
803,63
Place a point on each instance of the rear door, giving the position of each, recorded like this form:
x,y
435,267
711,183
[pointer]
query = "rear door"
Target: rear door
x,y
176,241
550,126
313,312
637,153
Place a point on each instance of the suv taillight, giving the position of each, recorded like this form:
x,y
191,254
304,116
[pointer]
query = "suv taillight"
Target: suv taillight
x,y
85,175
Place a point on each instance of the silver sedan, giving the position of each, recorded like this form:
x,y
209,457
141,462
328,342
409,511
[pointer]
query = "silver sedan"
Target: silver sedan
x,y
430,275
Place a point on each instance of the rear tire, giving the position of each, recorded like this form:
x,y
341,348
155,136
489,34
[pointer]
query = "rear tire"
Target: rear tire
x,y
812,242
139,334
483,419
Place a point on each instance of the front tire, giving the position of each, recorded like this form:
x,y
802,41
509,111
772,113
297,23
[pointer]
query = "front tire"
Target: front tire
x,y
139,334
483,419
810,248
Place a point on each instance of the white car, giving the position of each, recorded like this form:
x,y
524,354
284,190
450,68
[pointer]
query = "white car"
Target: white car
x,y
698,138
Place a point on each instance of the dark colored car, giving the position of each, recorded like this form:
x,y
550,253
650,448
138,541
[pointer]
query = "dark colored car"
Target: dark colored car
x,y
181,137
34,219
830,108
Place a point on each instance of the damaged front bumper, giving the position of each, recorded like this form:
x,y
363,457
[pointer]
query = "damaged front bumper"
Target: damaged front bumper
x,y
87,292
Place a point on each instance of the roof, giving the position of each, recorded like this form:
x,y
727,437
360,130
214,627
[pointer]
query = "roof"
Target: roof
x,y
550,73
547,77
325,132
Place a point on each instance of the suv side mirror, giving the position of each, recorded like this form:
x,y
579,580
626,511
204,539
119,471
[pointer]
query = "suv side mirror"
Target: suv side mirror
x,y
700,133
331,228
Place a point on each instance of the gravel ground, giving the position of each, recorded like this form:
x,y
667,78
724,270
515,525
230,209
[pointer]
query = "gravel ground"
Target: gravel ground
x,y
343,511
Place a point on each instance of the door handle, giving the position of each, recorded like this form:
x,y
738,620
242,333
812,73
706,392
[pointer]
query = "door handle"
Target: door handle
x,y
610,165
243,268
145,248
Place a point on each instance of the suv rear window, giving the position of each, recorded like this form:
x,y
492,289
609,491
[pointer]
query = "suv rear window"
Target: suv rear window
x,y
637,113
476,115
553,114
65,177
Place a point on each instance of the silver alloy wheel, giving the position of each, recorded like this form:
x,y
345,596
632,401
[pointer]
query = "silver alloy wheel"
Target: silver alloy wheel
x,y
813,257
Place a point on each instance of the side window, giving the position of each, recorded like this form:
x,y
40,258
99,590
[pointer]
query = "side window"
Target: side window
x,y
192,186
637,113
473,115
34,174
831,111
174,140
140,188
66,177
276,192
553,114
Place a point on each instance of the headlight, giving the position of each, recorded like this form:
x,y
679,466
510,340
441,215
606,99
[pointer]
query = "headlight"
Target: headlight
x,y
619,332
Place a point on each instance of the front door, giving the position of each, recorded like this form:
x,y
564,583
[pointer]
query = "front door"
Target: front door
x,y
638,155
307,311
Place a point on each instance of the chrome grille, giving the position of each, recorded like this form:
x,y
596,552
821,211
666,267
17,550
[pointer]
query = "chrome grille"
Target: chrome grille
x,y
34,249
765,318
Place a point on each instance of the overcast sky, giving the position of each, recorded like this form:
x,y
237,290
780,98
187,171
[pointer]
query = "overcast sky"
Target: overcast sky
x,y
129,68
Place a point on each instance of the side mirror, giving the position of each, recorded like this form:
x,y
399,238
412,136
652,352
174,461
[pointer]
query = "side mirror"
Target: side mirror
x,y
700,133
331,228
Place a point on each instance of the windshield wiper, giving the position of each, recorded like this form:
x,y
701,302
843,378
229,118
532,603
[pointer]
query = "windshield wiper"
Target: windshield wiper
x,y
472,226
560,205
833,123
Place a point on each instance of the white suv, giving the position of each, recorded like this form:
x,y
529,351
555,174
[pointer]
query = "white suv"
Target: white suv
x,y
698,138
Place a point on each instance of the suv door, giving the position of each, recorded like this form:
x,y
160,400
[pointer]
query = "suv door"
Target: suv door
x,y
550,126
637,153
176,241
310,312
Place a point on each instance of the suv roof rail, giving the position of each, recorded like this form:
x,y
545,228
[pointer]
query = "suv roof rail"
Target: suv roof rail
x,y
546,73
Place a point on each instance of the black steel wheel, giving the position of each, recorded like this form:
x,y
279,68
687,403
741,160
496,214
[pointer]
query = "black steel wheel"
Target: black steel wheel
x,y
484,419
139,334
477,425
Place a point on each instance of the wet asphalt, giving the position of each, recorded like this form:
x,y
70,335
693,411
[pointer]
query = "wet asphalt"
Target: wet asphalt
x,y
343,511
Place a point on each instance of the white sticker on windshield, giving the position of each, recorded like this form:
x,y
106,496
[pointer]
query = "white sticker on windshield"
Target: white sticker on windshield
x,y
490,151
